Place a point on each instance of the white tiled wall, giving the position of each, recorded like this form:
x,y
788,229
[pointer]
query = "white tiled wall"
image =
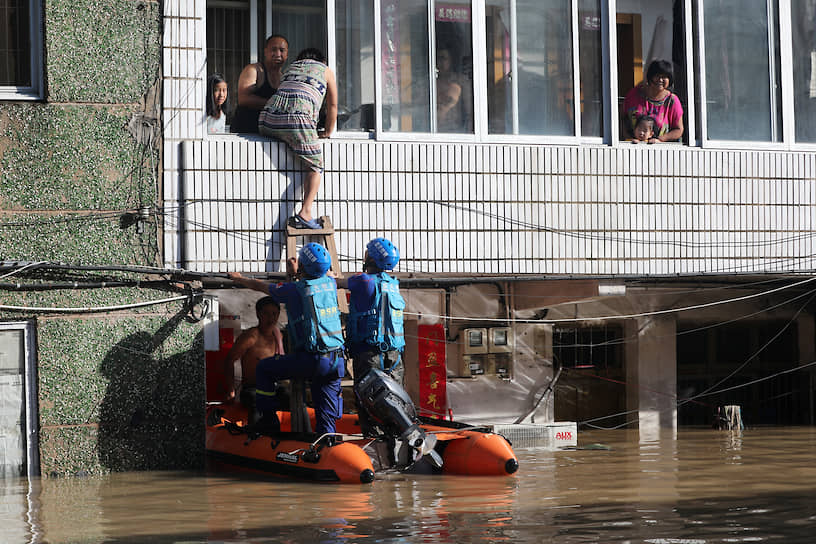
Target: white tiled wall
x,y
473,208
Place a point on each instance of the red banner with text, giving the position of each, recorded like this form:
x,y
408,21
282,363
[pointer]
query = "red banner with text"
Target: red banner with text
x,y
433,400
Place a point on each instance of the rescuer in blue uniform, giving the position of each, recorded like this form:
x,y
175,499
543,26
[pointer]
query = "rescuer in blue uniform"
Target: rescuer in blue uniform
x,y
316,339
375,323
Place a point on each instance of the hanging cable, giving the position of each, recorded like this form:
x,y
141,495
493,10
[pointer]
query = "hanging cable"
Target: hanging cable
x,y
626,316
89,309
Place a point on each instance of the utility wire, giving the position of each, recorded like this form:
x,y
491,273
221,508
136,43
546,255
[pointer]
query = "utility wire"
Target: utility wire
x,y
89,309
757,352
753,244
24,267
624,316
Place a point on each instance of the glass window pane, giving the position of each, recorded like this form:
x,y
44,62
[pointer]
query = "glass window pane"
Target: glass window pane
x,y
454,67
591,67
742,79
355,64
499,67
12,352
15,43
405,66
803,26
543,86
302,23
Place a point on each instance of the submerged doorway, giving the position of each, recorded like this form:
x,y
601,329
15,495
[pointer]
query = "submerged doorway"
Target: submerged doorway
x,y
18,407
749,364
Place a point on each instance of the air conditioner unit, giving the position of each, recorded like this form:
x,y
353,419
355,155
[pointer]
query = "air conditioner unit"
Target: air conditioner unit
x,y
475,341
501,340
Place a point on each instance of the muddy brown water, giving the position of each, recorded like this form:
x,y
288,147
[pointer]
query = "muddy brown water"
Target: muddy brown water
x,y
700,486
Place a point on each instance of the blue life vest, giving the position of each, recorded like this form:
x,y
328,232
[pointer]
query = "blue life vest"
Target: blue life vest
x,y
319,329
381,326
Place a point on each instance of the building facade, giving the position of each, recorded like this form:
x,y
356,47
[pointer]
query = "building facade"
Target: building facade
x,y
602,257
574,275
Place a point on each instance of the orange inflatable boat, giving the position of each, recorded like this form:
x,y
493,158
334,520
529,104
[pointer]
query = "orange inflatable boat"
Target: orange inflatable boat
x,y
304,456
349,457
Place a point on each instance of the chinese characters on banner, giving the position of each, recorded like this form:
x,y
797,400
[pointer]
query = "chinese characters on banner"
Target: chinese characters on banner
x,y
433,399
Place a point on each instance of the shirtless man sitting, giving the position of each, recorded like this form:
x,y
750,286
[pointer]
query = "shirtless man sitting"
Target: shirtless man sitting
x,y
252,345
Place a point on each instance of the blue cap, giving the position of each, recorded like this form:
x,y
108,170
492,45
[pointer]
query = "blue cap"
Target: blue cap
x,y
383,252
314,259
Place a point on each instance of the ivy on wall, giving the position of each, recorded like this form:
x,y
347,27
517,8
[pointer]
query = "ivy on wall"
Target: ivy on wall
x,y
101,50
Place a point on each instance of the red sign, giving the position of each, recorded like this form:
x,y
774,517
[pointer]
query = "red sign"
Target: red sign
x,y
452,13
433,398
215,371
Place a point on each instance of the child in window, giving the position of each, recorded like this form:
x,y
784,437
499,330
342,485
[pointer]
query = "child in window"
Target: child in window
x,y
645,130
216,97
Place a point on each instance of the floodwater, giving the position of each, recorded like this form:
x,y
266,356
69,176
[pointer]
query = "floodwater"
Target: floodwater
x,y
702,486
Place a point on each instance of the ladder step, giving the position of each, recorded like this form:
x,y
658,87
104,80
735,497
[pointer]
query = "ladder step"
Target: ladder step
x,y
327,233
328,228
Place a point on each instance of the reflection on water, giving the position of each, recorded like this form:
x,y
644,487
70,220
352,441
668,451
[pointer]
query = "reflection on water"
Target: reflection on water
x,y
700,486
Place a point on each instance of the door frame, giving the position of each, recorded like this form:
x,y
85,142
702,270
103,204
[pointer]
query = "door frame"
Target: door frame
x,y
30,402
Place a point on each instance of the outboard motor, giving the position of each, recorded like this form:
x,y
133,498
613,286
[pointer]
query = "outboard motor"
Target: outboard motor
x,y
389,406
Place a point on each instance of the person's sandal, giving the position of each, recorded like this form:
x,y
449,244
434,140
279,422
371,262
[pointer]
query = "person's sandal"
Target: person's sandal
x,y
299,223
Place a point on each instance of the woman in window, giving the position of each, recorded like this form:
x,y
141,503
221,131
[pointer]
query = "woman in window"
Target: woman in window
x,y
654,98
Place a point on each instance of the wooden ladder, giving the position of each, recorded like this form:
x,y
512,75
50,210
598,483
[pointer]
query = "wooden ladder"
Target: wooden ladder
x,y
324,236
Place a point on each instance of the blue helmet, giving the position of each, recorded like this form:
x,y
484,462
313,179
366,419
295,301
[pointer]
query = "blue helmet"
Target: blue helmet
x,y
314,259
383,252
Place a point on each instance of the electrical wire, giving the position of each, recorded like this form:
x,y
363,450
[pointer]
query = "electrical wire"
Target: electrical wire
x,y
628,239
624,316
752,244
633,338
757,352
89,309
24,267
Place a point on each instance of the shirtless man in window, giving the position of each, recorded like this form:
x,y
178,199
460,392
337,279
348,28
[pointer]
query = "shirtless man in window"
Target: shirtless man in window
x,y
258,82
252,345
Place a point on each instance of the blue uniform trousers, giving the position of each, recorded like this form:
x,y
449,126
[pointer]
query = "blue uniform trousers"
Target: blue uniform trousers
x,y
323,370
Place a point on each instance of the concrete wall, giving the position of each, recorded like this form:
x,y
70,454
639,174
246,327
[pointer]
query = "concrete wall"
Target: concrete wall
x,y
117,391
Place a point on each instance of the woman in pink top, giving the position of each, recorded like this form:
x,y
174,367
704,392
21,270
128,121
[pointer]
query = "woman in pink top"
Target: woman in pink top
x,y
653,98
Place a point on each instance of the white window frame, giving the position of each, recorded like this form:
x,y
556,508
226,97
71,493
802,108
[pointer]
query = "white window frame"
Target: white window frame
x,y
480,119
610,53
35,90
30,401
786,61
691,74
695,108
477,13
785,82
